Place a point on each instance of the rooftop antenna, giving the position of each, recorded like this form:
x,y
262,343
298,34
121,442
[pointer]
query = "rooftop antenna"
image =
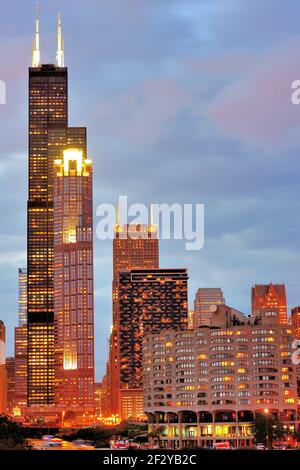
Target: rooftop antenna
x,y
60,54
36,53
118,215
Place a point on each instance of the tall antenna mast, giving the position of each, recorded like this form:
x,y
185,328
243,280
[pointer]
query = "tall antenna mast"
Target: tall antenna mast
x,y
36,52
60,54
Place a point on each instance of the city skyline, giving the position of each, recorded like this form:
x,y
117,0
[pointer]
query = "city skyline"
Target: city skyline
x,y
207,268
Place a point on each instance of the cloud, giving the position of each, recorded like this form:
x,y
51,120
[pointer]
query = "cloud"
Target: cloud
x,y
257,106
143,115
184,102
13,258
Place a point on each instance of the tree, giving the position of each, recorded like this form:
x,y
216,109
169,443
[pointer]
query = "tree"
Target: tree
x,y
11,435
268,428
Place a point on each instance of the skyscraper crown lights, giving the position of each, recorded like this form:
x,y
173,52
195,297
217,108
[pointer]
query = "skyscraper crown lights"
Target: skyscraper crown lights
x,y
36,50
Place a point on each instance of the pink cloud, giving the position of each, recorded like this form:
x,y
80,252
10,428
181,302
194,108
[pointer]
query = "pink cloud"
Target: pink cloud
x,y
257,107
144,114
15,58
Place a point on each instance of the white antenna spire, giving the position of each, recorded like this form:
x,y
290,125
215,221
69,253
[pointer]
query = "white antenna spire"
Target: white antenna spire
x,y
36,53
60,55
151,215
118,215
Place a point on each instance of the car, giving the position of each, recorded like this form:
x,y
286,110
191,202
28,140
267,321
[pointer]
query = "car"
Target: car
x,y
119,444
222,446
47,437
55,442
260,446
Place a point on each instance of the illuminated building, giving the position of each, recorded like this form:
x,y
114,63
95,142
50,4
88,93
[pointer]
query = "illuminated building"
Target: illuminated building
x,y
3,375
205,300
270,297
21,367
98,391
21,344
134,247
191,319
149,301
49,137
206,385
22,301
48,110
73,281
296,322
106,393
10,377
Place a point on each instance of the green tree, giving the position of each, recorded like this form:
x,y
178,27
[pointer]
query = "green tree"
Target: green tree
x,y
11,435
268,428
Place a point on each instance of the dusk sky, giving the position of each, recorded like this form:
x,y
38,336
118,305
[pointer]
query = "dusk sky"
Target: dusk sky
x,y
185,101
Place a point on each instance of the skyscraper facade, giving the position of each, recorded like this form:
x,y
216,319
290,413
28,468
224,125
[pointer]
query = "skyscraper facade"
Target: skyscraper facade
x,y
3,374
269,299
296,322
20,400
21,367
73,281
149,301
48,110
135,246
22,301
49,138
205,300
10,375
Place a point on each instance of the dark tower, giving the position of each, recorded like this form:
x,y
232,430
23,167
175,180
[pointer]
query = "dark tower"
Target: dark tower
x,y
48,116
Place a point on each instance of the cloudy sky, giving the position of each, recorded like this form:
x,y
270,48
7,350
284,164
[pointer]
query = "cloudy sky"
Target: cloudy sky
x,y
185,101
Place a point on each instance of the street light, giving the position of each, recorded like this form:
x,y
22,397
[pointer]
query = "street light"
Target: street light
x,y
266,412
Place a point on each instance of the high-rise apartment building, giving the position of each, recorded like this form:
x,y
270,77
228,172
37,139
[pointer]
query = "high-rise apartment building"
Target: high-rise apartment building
x,y
22,301
296,322
135,246
272,298
21,367
10,376
149,301
73,281
207,385
21,344
206,299
106,392
3,374
98,394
